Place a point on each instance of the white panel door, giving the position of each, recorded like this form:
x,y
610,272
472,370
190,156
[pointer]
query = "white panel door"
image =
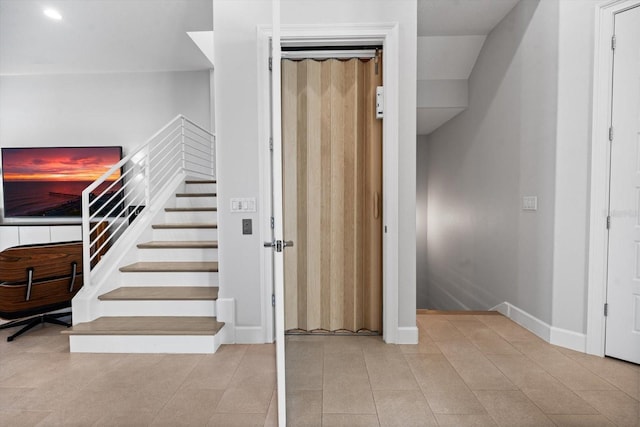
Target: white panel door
x,y
623,281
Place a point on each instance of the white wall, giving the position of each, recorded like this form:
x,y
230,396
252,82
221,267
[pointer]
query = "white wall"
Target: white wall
x,y
482,248
237,68
575,82
98,109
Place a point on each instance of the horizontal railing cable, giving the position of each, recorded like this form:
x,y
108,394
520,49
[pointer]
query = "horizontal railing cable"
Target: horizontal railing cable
x,y
109,205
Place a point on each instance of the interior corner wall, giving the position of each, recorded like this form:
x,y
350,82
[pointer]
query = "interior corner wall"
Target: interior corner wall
x,y
575,96
237,67
422,207
483,249
49,110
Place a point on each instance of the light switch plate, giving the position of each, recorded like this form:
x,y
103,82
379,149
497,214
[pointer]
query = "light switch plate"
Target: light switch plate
x,y
243,204
530,203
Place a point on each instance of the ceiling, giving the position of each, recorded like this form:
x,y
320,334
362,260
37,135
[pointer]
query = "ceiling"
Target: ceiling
x,y
102,36
93,36
460,17
451,34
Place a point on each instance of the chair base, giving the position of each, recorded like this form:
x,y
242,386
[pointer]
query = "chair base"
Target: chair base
x,y
32,322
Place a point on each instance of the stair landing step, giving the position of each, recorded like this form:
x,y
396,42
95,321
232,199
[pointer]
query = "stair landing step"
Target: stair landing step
x,y
147,325
201,181
170,267
186,244
192,209
161,293
185,225
196,194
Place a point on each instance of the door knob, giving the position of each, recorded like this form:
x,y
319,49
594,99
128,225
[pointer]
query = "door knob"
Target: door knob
x,y
279,244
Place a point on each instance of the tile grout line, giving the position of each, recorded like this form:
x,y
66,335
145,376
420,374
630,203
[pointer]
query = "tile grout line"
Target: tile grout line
x,y
550,374
157,414
499,370
421,390
366,367
603,378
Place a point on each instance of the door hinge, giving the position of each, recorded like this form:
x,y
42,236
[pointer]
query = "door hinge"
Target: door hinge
x,y
611,133
270,63
608,222
606,309
273,300
613,42
271,143
376,62
273,222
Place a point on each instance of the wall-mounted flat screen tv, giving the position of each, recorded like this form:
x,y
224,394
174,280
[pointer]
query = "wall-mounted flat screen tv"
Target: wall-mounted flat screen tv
x,y
48,181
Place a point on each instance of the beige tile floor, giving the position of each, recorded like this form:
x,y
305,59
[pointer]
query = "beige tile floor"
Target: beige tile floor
x,y
468,370
42,384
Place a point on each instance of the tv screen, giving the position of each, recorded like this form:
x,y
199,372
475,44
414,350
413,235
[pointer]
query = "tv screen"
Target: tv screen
x,y
48,181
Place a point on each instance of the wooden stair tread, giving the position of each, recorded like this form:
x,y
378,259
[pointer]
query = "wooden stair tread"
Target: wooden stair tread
x,y
184,225
170,267
186,244
192,209
196,194
201,181
147,325
161,293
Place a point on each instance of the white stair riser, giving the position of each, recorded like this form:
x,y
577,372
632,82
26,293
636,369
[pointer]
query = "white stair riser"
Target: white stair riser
x,y
190,234
201,188
191,217
169,279
195,344
181,254
158,308
198,202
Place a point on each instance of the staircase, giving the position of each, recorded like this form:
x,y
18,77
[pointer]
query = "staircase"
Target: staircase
x,y
166,301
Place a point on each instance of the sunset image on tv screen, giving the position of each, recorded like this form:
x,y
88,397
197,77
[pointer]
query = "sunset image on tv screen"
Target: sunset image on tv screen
x,y
50,181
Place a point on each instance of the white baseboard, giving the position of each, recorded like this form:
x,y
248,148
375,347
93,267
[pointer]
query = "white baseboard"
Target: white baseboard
x,y
556,336
569,339
407,335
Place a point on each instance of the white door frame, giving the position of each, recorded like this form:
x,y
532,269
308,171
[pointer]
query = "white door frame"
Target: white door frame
x,y
600,155
387,35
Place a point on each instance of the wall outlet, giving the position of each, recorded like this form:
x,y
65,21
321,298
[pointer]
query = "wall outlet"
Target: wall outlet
x,y
246,226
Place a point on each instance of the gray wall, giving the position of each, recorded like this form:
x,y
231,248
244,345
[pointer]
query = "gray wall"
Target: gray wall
x,y
482,248
422,188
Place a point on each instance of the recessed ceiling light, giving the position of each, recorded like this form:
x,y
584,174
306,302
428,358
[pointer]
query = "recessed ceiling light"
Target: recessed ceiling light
x,y
53,14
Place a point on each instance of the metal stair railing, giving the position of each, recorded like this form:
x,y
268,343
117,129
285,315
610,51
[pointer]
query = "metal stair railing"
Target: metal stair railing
x,y
113,201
